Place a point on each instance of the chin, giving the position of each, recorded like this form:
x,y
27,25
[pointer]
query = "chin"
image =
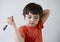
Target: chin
x,y
32,25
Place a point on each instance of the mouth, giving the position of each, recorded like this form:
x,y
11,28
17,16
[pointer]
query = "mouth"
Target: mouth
x,y
32,23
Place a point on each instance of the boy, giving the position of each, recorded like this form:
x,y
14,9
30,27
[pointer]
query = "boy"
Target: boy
x,y
34,17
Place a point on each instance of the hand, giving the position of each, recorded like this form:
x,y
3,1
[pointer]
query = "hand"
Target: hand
x,y
46,11
10,20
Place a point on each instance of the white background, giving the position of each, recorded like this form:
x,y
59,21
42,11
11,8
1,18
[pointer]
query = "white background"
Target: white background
x,y
51,31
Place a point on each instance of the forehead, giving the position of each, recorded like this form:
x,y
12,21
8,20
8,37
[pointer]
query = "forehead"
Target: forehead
x,y
30,14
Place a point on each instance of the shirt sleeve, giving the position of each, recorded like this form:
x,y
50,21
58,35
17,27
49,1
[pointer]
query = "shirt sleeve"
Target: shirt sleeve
x,y
21,32
40,25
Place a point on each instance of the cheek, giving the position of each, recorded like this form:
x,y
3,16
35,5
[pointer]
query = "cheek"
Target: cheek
x,y
36,21
27,20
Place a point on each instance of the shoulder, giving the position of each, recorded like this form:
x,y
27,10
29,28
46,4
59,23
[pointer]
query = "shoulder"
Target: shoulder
x,y
40,24
21,31
21,27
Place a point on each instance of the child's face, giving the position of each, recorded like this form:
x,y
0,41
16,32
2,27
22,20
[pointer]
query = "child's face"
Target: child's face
x,y
32,20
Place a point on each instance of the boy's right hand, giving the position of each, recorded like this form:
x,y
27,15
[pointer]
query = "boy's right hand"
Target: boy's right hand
x,y
10,20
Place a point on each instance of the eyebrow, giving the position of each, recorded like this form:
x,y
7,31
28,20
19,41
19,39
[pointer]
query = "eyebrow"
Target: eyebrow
x,y
34,15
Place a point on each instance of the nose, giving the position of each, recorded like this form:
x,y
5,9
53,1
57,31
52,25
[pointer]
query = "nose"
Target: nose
x,y
32,20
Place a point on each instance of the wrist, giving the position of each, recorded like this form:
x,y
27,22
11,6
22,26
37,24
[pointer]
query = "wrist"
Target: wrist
x,y
46,11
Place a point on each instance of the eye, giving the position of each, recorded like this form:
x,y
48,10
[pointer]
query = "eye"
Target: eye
x,y
35,18
29,17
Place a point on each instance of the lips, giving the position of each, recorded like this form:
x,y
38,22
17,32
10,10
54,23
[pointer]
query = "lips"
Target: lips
x,y
32,23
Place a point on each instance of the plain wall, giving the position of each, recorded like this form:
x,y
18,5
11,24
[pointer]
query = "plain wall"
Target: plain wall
x,y
51,31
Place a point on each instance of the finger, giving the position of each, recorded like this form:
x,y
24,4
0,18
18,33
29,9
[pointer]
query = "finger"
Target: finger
x,y
12,19
12,16
8,17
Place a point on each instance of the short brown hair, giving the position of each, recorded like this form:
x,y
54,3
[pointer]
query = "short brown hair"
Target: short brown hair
x,y
33,8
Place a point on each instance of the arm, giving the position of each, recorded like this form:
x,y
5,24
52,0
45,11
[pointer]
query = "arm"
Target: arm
x,y
18,38
45,15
